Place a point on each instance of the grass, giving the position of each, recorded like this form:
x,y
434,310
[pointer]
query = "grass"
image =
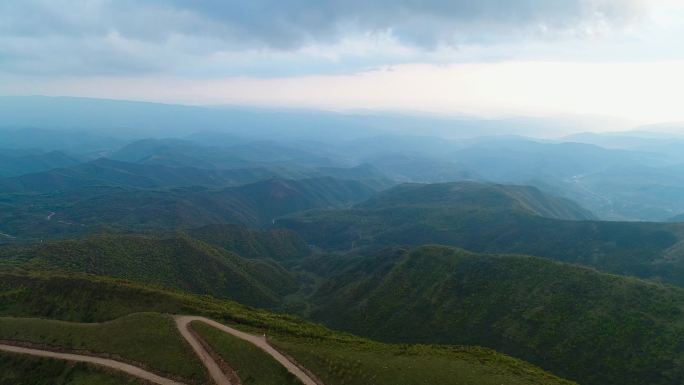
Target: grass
x,y
252,365
329,354
146,338
363,362
25,370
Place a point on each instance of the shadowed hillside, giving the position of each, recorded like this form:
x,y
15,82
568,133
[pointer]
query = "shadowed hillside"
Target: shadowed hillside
x,y
595,328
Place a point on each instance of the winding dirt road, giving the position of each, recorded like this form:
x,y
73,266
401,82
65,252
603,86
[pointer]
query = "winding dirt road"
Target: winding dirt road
x,y
183,325
116,365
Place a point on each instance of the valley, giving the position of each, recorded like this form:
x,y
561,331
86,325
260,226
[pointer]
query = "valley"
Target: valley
x,y
224,258
358,192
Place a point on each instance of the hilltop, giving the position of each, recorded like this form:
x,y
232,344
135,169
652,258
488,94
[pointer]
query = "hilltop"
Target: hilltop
x,y
177,262
478,196
499,219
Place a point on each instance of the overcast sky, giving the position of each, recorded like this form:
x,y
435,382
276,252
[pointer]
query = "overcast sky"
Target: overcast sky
x,y
614,58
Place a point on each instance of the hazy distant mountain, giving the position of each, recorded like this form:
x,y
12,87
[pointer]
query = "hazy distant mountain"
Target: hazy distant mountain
x,y
634,192
46,138
13,163
107,172
519,160
624,140
85,210
473,195
177,152
142,119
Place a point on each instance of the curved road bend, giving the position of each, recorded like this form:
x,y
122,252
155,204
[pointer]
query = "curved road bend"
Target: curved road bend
x,y
183,323
116,365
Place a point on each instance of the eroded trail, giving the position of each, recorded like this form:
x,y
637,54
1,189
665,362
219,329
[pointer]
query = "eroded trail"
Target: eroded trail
x,y
116,365
183,323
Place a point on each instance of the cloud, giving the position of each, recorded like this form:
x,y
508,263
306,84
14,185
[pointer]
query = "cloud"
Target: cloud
x,y
233,37
291,24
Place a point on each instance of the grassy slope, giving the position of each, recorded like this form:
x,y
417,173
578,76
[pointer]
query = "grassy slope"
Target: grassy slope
x,y
596,328
99,299
177,261
372,363
150,339
252,365
25,370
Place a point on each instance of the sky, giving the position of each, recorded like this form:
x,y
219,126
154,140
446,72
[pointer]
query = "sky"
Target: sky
x,y
622,59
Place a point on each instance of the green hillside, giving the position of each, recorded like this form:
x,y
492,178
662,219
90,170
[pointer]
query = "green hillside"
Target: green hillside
x,y
336,358
178,262
487,220
595,328
477,195
25,216
276,244
107,172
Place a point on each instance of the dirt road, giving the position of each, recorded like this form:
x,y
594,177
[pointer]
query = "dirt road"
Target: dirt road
x,y
183,325
183,322
220,378
116,365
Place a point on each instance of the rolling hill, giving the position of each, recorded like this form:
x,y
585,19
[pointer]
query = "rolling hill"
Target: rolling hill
x,y
94,209
13,163
336,358
276,244
487,220
176,262
477,195
107,172
595,328
220,154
